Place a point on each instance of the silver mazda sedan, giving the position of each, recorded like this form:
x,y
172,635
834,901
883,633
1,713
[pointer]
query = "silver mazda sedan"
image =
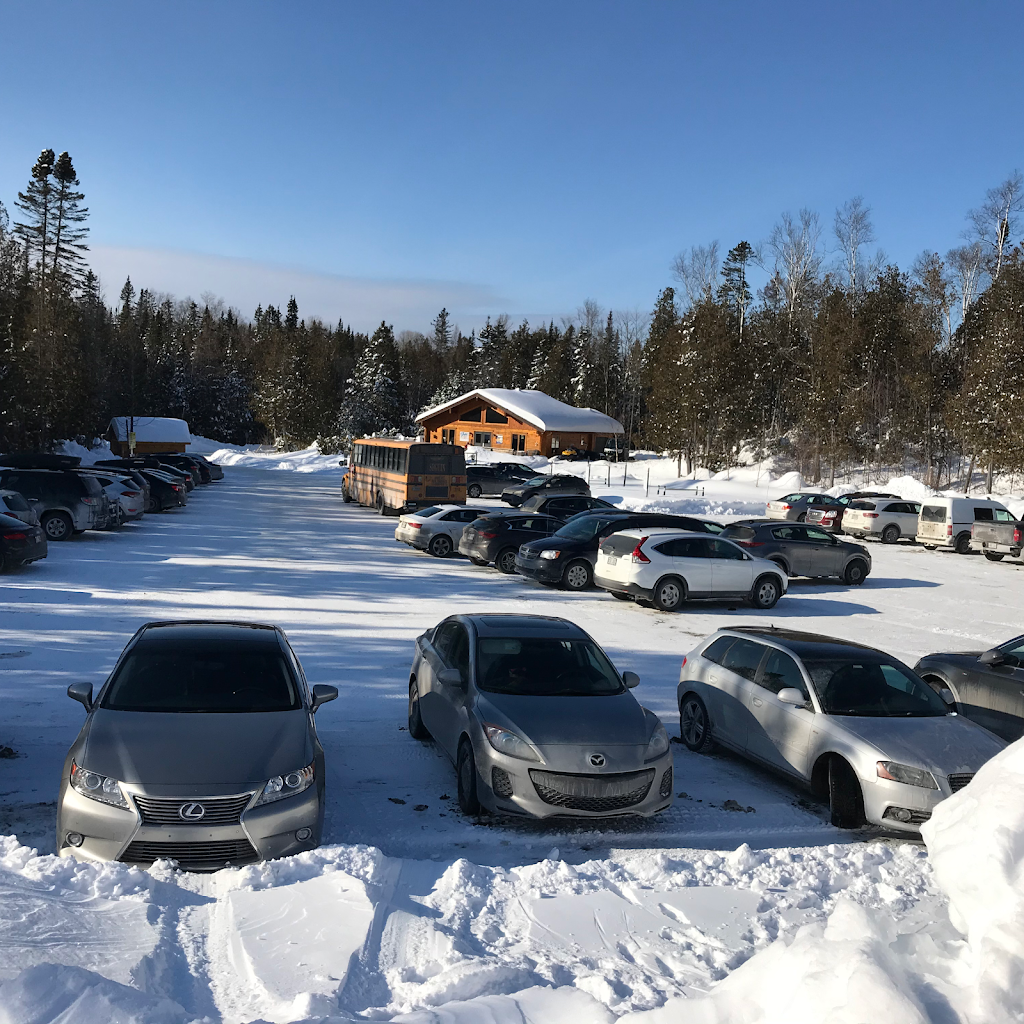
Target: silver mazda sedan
x,y
536,719
200,748
851,723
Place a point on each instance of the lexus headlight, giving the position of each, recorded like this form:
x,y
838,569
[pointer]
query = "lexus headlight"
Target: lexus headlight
x,y
550,553
904,773
97,787
507,742
281,786
657,744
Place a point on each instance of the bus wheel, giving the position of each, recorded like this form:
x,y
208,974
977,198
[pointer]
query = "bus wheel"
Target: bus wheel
x,y
381,507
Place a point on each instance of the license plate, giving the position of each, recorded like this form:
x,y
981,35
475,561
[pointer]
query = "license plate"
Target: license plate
x,y
613,561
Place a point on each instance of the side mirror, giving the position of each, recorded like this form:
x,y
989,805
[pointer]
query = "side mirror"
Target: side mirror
x,y
791,695
323,693
449,677
631,679
82,692
993,658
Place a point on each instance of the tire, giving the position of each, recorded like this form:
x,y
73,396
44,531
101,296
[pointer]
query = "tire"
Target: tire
x,y
474,490
618,595
929,547
891,534
441,546
670,594
417,730
695,724
57,526
152,506
346,496
766,592
465,770
995,556
578,575
381,507
856,573
845,797
802,518
506,561
963,544
477,561
938,685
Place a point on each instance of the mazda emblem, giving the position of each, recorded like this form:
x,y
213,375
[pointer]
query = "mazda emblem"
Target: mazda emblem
x,y
597,760
191,812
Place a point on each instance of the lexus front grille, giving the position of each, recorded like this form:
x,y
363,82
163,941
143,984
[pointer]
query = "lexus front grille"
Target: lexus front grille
x,y
207,811
192,855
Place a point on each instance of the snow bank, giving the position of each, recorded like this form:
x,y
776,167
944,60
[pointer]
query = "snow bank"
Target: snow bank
x,y
308,460
536,1005
976,843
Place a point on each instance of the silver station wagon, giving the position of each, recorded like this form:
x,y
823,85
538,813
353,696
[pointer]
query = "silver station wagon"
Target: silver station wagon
x,y
536,719
851,723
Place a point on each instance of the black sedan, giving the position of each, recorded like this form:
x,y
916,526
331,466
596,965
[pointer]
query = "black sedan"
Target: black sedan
x,y
165,491
802,550
985,686
20,543
567,558
496,538
557,483
494,477
564,505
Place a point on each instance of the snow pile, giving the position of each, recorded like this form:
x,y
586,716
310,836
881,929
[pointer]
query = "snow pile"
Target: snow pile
x,y
89,456
976,842
254,456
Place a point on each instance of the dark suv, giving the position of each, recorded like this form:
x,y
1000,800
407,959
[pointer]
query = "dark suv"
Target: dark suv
x,y
568,557
802,550
496,538
564,505
65,501
557,483
494,477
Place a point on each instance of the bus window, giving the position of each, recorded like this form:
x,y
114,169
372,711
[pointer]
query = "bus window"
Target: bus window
x,y
429,464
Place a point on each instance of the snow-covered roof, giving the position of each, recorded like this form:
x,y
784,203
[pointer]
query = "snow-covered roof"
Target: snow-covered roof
x,y
543,411
153,429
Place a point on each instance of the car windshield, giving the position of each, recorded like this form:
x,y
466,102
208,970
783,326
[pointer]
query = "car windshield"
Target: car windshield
x,y
203,676
426,513
791,497
536,481
544,667
873,689
584,528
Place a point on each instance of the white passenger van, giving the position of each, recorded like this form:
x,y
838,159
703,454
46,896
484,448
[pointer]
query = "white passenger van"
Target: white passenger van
x,y
947,522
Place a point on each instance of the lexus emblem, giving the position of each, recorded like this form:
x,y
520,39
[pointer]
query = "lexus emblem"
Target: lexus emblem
x,y
597,760
193,812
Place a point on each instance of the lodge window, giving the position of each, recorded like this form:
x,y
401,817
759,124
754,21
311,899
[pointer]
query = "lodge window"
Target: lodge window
x,y
493,416
473,416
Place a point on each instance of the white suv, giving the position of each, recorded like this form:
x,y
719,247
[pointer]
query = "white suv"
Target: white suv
x,y
665,567
882,517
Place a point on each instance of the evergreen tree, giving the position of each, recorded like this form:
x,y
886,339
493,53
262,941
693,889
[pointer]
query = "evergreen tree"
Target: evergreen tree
x,y
442,331
734,289
374,400
291,320
36,203
69,217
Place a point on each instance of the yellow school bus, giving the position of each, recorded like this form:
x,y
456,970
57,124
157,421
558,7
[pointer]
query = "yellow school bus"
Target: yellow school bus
x,y
394,476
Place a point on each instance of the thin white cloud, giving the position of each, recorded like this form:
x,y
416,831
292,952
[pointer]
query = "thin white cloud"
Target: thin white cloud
x,y
245,284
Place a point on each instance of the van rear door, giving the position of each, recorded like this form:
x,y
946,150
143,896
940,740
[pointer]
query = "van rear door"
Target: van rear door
x,y
931,523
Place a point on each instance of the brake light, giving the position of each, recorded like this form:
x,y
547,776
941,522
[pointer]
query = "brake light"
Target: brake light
x,y
91,501
416,480
785,508
1016,535
638,556
949,530
486,535
175,487
750,543
15,536
681,667
870,515
130,494
415,526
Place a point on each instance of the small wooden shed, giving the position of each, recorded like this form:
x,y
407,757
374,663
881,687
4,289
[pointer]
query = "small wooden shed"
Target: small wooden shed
x,y
521,421
153,435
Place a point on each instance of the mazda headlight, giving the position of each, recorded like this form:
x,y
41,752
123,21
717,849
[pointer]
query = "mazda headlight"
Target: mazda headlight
x,y
657,744
906,774
97,787
281,786
506,742
550,553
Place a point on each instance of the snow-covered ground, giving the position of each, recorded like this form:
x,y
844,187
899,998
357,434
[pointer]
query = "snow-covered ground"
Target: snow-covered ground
x,y
410,911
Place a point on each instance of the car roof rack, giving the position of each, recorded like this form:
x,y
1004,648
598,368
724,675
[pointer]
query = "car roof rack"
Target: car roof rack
x,y
39,460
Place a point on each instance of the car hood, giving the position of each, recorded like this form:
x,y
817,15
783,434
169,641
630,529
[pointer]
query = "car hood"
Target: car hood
x,y
151,748
942,745
548,721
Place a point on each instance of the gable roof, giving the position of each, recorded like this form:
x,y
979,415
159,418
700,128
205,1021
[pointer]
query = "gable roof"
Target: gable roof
x,y
543,411
153,429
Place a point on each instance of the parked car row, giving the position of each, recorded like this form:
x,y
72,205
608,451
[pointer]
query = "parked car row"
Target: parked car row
x,y
54,497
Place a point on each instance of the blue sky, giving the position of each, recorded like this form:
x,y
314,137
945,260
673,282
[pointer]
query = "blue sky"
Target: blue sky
x,y
384,159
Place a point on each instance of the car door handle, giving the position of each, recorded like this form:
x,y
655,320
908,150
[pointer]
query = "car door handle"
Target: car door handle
x,y
757,702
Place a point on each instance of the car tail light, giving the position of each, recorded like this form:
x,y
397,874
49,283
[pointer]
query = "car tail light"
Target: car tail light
x,y
414,526
638,556
486,535
750,543
681,667
949,530
416,480
91,501
175,487
870,515
15,536
130,494
784,508
1016,535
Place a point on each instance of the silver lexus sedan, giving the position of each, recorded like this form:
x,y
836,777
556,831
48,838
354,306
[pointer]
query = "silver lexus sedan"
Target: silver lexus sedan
x,y
536,719
849,722
200,747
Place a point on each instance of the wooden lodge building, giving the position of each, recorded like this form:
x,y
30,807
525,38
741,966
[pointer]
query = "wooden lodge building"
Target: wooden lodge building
x,y
154,435
524,422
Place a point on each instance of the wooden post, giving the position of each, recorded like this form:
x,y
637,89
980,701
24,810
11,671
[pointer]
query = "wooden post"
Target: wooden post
x,y
647,490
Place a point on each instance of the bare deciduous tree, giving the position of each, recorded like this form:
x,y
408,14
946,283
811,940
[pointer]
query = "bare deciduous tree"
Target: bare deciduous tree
x,y
966,263
853,231
794,249
995,221
697,272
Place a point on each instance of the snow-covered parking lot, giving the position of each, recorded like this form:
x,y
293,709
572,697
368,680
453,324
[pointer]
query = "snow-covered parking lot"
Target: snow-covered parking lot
x,y
408,905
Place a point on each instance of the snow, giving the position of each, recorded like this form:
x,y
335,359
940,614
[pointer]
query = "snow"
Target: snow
x,y
543,411
151,429
741,903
